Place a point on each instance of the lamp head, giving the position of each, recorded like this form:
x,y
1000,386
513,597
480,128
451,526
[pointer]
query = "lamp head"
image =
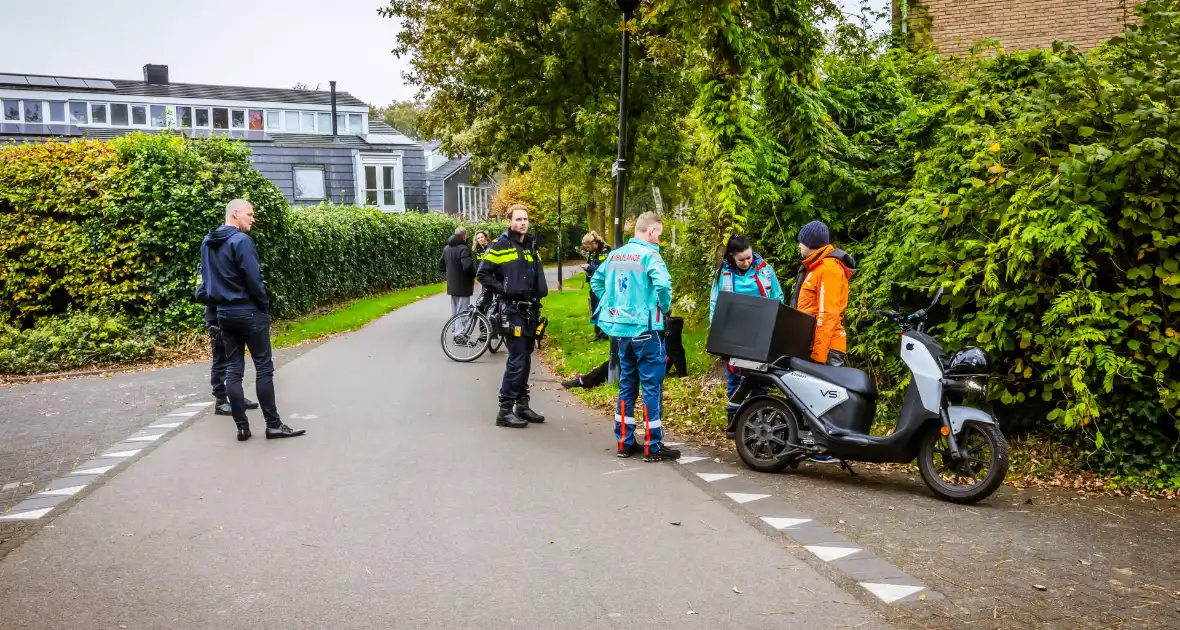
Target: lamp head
x,y
627,6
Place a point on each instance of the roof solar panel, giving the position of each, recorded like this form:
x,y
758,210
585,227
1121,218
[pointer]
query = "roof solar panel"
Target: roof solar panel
x,y
42,81
74,83
13,79
100,84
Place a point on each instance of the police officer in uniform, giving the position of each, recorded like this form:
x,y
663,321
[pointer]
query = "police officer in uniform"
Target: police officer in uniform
x,y
512,269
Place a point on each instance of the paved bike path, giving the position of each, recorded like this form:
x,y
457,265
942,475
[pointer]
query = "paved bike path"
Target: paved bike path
x,y
405,506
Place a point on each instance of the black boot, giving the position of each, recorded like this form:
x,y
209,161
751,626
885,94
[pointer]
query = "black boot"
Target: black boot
x,y
244,434
524,413
505,418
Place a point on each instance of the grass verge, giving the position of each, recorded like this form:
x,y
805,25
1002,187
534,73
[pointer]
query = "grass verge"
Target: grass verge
x,y
694,407
348,316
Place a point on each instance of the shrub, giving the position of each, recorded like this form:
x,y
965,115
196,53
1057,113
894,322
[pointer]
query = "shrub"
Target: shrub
x,y
69,341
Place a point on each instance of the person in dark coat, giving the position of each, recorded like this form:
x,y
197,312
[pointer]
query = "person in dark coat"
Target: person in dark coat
x,y
459,265
596,250
232,276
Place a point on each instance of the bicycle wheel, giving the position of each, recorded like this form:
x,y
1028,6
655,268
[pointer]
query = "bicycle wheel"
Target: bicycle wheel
x,y
465,336
495,343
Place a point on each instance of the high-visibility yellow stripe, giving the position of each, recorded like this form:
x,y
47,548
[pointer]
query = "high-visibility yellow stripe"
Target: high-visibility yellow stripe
x,y
501,257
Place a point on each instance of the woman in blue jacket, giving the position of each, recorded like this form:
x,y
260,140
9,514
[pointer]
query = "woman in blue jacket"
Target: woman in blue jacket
x,y
743,271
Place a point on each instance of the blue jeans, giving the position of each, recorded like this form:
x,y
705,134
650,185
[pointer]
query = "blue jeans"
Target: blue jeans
x,y
641,363
241,329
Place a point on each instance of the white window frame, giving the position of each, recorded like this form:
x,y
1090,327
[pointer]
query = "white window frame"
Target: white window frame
x,y
392,158
111,114
208,116
309,167
474,203
106,108
147,115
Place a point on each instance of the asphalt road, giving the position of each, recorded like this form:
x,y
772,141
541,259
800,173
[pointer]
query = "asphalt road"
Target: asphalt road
x,y
404,506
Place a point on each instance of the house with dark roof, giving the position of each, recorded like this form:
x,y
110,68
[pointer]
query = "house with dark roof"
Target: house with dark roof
x,y
451,185
315,146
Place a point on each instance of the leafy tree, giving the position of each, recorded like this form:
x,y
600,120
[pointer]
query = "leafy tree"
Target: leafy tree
x,y
405,116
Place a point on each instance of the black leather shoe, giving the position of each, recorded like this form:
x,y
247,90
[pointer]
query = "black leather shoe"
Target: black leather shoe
x,y
663,453
283,431
524,413
250,404
505,418
244,434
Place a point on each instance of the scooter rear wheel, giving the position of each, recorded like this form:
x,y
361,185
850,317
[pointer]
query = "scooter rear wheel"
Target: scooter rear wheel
x,y
764,433
982,472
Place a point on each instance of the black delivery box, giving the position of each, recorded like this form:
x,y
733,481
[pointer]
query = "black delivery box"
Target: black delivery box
x,y
759,329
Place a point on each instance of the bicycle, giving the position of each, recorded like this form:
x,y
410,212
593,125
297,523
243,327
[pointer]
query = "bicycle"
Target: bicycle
x,y
471,332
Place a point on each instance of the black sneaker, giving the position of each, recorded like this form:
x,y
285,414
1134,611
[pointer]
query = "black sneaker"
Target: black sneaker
x,y
634,449
572,383
250,404
663,453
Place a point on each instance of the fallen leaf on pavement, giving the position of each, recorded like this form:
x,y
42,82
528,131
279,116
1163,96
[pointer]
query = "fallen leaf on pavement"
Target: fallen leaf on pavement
x,y
735,589
1085,563
841,522
892,508
690,610
1040,587
676,523
1125,571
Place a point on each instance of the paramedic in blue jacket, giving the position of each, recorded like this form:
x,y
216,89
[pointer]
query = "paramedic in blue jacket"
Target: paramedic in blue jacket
x,y
512,269
635,296
743,271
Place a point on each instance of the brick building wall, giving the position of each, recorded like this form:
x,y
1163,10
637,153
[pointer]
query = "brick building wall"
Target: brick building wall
x,y
954,25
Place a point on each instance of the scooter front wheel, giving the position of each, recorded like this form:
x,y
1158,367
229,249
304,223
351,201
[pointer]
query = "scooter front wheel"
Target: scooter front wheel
x,y
966,479
764,433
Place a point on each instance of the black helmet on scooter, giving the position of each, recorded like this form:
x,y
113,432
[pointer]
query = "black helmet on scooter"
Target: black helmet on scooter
x,y
972,360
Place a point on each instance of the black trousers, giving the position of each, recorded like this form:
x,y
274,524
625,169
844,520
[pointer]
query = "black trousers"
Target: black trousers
x,y
515,386
217,369
241,329
598,334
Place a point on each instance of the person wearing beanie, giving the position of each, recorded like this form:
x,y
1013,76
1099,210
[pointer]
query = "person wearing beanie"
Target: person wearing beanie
x,y
821,290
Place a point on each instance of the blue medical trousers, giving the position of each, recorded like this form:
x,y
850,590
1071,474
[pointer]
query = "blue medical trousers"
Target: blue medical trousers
x,y
642,361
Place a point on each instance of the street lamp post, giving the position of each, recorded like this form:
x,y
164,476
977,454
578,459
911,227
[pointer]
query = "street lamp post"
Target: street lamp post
x,y
620,168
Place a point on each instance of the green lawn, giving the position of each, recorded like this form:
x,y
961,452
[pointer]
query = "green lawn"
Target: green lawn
x,y
350,316
692,405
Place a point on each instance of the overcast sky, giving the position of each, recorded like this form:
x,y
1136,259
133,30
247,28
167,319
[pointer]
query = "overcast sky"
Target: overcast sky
x,y
262,43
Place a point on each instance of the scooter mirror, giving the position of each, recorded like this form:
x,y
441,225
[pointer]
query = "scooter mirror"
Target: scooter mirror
x,y
937,297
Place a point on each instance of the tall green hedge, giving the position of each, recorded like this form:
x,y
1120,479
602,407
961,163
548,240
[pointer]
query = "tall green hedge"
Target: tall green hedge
x,y
113,230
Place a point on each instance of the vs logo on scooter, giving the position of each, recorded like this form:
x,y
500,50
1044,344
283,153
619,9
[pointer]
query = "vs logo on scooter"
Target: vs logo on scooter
x,y
829,393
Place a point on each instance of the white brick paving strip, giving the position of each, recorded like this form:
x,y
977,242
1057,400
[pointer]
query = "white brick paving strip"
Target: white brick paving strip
x,y
42,503
875,575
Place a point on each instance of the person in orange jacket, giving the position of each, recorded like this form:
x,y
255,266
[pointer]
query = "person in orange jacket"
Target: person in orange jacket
x,y
821,290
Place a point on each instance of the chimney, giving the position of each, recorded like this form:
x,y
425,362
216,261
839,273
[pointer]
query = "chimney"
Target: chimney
x,y
332,86
155,74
